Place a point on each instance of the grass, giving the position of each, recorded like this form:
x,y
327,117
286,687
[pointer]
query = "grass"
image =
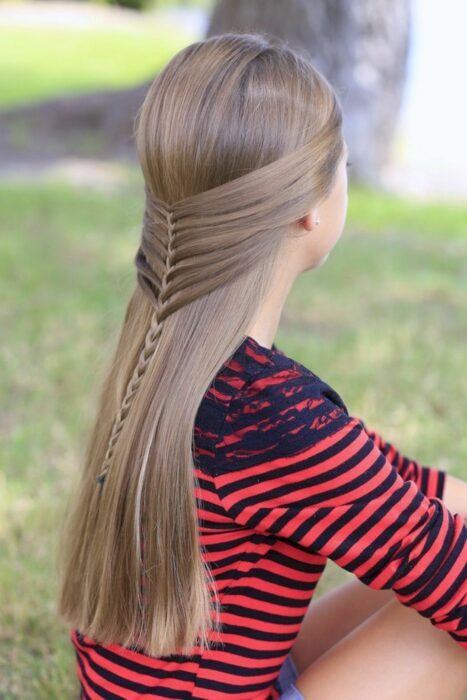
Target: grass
x,y
383,322
59,61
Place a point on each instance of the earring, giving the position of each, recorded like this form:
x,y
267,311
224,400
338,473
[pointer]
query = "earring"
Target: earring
x,y
317,222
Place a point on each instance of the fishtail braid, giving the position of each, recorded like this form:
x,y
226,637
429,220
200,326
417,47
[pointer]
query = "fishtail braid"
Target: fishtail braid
x,y
150,344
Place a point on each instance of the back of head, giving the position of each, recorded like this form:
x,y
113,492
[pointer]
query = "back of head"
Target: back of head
x,y
238,137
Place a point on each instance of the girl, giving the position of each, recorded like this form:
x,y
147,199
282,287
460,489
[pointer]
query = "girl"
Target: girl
x,y
221,474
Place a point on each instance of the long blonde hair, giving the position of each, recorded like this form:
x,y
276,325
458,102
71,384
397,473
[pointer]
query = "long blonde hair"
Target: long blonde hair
x,y
237,137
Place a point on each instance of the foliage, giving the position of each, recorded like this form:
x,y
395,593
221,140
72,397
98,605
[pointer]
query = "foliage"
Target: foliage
x,y
151,4
132,4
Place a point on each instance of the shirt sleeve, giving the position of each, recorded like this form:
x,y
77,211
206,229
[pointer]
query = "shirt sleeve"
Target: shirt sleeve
x,y
428,479
292,463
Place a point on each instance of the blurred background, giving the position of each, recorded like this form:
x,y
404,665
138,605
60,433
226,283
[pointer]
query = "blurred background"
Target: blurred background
x,y
383,321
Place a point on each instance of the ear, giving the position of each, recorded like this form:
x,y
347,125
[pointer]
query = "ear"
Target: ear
x,y
308,221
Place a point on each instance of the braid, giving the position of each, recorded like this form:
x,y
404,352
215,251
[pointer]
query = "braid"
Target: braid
x,y
150,344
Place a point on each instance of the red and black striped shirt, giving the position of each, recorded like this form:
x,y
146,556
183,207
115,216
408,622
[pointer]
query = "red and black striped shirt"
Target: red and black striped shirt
x,y
286,479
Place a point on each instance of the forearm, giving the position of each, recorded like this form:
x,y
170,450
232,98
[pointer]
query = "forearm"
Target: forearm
x,y
455,495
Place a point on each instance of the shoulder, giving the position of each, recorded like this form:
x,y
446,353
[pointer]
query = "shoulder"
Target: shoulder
x,y
281,408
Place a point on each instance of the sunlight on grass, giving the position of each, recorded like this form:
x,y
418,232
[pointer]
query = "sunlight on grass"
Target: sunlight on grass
x,y
43,62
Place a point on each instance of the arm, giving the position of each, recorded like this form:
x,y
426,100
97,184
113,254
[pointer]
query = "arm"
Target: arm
x,y
308,472
431,481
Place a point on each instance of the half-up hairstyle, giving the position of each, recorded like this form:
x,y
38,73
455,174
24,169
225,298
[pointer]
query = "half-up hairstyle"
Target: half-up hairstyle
x,y
238,137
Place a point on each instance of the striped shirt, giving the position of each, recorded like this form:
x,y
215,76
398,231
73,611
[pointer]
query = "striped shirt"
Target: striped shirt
x,y
285,479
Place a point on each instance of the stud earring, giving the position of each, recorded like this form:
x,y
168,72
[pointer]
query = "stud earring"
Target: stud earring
x,y
317,222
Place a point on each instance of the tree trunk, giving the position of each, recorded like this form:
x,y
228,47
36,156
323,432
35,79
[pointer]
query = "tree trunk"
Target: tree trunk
x,y
361,46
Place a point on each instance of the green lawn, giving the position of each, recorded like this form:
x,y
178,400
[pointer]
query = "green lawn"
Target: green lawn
x,y
383,321
44,62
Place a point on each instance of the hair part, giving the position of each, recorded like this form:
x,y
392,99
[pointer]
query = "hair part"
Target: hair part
x,y
237,137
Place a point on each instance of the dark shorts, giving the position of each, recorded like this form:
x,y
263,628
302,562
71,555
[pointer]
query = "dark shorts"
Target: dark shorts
x,y
286,679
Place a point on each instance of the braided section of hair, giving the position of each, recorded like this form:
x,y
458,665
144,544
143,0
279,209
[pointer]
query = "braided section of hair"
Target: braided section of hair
x,y
150,344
